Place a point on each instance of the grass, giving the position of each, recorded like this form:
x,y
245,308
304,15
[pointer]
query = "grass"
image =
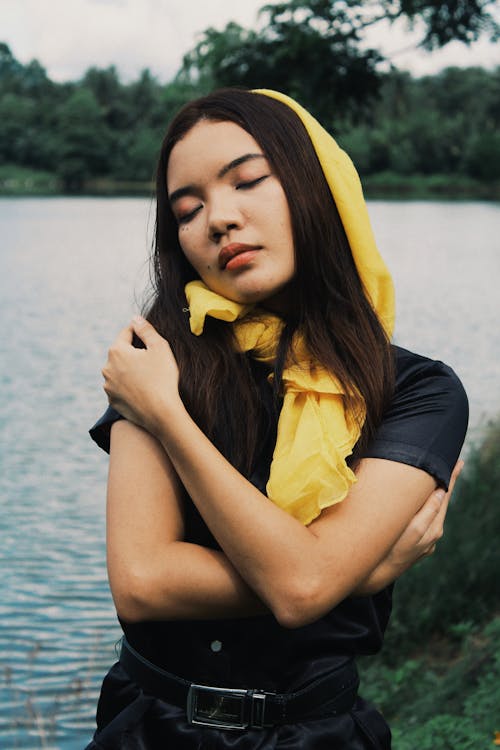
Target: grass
x,y
16,180
438,186
437,680
107,186
459,583
446,696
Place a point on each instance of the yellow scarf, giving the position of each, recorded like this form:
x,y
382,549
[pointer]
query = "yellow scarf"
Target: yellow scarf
x,y
315,435
308,470
344,184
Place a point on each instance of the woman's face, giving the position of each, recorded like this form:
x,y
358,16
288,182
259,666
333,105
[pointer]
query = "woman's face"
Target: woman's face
x,y
233,216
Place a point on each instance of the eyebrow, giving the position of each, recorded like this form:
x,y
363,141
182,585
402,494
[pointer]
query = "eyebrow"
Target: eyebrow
x,y
189,189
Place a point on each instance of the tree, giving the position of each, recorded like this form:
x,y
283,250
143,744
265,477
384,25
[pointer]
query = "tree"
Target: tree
x,y
318,63
109,94
84,140
313,49
442,22
10,70
17,119
142,98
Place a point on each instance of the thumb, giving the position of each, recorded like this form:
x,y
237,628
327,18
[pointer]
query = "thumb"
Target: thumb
x,y
144,330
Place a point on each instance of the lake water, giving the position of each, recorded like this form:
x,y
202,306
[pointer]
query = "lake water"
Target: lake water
x,y
71,271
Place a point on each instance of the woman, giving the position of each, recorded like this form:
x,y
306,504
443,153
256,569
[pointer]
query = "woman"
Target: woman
x,y
247,582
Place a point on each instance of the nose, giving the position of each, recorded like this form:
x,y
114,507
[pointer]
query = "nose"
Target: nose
x,y
224,215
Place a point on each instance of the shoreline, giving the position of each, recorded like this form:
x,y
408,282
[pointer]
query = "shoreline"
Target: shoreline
x,y
24,182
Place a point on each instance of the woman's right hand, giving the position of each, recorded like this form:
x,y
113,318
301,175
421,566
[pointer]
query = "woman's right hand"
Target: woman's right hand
x,y
141,383
418,540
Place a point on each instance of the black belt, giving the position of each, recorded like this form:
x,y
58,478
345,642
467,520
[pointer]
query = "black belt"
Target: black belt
x,y
234,708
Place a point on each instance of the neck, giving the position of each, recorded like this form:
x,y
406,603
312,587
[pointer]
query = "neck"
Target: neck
x,y
281,303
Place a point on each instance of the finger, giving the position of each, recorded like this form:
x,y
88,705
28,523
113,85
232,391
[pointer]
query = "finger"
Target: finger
x,y
125,336
436,506
454,476
436,528
426,516
429,551
146,332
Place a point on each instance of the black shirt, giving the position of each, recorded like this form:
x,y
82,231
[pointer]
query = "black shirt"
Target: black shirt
x,y
425,427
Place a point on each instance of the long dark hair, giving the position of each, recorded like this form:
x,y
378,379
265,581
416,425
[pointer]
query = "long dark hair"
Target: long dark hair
x,y
332,310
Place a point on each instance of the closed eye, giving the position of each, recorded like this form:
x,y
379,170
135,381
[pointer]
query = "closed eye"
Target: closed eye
x,y
186,218
251,183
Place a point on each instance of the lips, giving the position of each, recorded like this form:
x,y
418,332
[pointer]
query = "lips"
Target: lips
x,y
230,251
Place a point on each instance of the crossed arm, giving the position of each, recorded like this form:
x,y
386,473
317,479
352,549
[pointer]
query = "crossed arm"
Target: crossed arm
x,y
269,561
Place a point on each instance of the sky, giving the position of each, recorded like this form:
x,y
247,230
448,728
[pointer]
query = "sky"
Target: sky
x,y
69,36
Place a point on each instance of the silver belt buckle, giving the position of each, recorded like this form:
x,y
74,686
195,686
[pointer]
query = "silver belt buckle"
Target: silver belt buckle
x,y
216,707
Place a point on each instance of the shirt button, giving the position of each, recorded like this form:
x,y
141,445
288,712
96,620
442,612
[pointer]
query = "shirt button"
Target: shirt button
x,y
216,646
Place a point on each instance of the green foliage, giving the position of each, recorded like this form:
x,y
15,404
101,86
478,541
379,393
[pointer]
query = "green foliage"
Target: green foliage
x,y
436,134
96,128
16,180
316,50
310,57
459,583
483,156
446,124
83,139
438,682
109,94
446,696
137,157
462,20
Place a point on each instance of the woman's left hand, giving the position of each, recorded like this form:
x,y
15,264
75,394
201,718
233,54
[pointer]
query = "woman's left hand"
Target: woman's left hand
x,y
141,383
426,528
418,540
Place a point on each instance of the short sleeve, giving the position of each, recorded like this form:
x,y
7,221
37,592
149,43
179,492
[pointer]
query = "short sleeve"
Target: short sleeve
x,y
426,422
101,431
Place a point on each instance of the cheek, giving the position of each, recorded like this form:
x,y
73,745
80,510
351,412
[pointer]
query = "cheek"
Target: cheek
x,y
195,257
186,246
186,241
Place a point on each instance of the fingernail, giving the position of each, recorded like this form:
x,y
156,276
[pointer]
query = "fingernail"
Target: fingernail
x,y
440,495
138,319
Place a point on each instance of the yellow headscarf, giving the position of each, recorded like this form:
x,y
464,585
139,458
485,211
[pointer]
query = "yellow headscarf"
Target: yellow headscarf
x,y
315,434
344,184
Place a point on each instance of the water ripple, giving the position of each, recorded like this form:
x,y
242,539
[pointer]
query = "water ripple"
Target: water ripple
x,y
58,628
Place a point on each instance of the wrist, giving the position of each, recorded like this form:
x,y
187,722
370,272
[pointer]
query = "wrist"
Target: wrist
x,y
384,574
168,416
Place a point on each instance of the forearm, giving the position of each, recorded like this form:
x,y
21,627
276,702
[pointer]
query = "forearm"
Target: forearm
x,y
183,582
269,548
153,572
298,572
291,568
384,574
418,539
